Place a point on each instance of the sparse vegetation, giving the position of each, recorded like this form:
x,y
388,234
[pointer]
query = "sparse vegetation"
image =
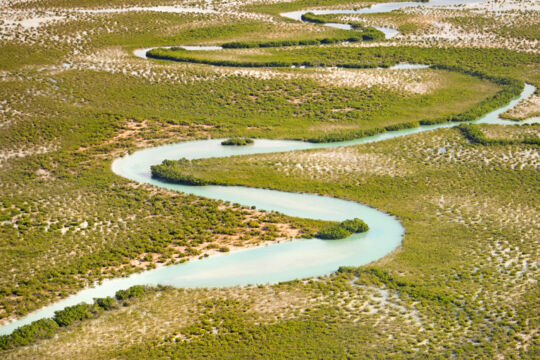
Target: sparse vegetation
x,y
47,328
73,97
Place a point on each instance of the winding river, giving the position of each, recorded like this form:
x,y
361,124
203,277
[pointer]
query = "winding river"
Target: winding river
x,y
273,263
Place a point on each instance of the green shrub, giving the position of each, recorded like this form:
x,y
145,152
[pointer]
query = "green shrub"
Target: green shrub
x,y
24,335
312,18
46,328
132,292
333,233
474,134
74,313
237,141
372,34
355,225
107,303
343,229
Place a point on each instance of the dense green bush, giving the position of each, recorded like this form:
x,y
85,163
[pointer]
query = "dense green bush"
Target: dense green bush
x,y
345,135
132,292
402,126
364,34
74,313
473,134
237,142
355,225
333,233
171,171
107,303
316,19
372,34
40,329
343,229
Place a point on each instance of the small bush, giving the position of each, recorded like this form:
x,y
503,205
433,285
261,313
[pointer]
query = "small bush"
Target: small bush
x,y
134,291
355,225
333,233
107,303
237,142
40,329
74,313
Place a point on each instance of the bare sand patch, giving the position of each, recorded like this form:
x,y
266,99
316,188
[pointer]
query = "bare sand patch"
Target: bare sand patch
x,y
526,109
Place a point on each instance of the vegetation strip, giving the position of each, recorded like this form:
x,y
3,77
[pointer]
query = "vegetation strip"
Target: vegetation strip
x,y
474,134
47,328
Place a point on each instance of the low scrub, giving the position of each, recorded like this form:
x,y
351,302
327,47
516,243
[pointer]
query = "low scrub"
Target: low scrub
x,y
475,135
237,142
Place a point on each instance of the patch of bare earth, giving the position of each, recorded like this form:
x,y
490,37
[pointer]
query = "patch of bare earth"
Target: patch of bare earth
x,y
146,133
525,110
